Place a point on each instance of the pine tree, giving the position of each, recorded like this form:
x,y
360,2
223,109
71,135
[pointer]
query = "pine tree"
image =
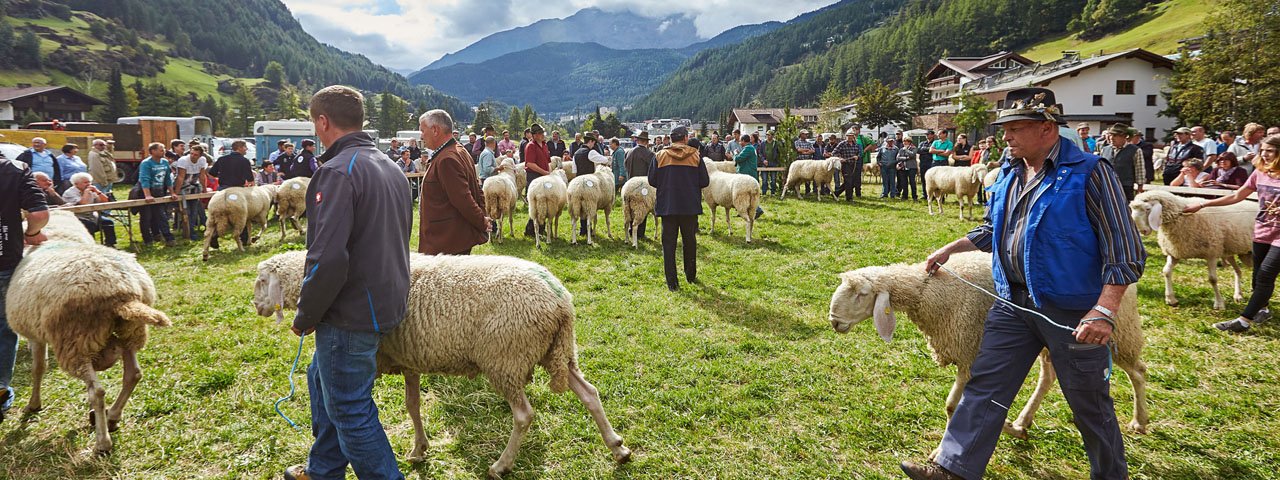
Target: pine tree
x,y
515,122
247,109
286,107
484,118
391,115
117,102
274,74
26,52
6,42
919,101
530,116
370,112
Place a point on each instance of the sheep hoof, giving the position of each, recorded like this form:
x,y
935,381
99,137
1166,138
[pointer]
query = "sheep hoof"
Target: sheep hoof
x,y
623,455
112,424
1238,298
1138,428
496,472
32,409
1016,431
1172,302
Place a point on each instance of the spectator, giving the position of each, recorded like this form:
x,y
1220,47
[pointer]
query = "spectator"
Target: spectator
x,y
714,149
926,159
45,184
471,142
155,180
18,192
850,153
69,164
1250,140
804,146
556,146
304,163
1088,143
192,173
679,175
102,165
619,162
506,147
1206,144
1148,155
408,165
177,148
525,141
286,158
1228,174
1180,151
537,162
771,151
577,143
280,150
942,148
906,167
453,214
1191,175
40,159
1126,160
1225,140
1266,233
746,163
405,162
599,142
1273,131
584,163
887,160
268,175
235,170
732,148
414,151
487,161
82,192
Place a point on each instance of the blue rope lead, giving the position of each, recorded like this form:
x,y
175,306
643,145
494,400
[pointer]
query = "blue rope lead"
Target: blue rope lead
x,y
292,386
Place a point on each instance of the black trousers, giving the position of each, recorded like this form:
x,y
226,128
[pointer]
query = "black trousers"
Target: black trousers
x,y
906,176
1266,266
852,184
1171,172
683,226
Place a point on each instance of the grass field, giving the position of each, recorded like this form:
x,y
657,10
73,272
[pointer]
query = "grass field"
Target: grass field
x,y
740,377
1166,23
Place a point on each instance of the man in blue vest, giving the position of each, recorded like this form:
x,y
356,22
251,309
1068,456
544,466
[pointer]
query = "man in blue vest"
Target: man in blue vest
x,y
1064,246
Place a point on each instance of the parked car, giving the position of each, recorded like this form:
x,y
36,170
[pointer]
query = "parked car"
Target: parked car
x,y
11,150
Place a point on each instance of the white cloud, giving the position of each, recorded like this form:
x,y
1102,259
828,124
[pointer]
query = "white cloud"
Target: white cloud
x,y
408,34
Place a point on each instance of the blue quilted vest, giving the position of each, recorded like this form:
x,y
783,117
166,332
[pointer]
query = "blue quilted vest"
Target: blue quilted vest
x,y
1062,258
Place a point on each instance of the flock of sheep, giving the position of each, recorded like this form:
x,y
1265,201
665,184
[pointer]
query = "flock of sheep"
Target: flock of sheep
x,y
450,330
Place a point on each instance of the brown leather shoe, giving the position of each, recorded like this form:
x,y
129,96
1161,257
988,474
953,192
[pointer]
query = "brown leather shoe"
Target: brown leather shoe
x,y
296,472
927,471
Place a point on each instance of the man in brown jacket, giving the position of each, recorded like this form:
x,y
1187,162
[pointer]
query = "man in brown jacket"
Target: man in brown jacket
x,y
453,219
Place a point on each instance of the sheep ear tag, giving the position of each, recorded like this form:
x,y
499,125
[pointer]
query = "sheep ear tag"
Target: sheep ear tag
x,y
1155,216
883,317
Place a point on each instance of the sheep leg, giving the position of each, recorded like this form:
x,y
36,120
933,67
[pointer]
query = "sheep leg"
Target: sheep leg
x,y
413,403
537,238
97,400
522,417
608,228
132,375
1169,298
281,217
1235,266
236,229
590,398
1047,376
511,223
728,222
1138,377
957,390
39,365
211,232
297,225
1218,302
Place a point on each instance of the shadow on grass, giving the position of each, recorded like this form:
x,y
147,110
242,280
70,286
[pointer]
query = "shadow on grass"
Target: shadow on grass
x,y
755,316
479,422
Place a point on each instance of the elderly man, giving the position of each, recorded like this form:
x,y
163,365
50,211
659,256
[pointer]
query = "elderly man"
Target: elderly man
x,y
1064,247
359,217
556,146
46,186
1126,159
1087,143
41,160
453,218
82,192
18,192
585,161
102,165
850,153
1181,150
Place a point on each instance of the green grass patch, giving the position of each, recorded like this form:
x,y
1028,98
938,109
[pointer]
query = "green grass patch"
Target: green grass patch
x,y
1160,31
739,377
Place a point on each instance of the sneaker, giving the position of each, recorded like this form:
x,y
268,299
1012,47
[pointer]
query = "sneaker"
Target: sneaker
x,y
296,472
1235,326
927,471
1262,316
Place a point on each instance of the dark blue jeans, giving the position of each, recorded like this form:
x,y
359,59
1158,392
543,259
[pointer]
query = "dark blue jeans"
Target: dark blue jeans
x,y
155,223
344,419
195,217
888,179
8,342
769,182
1011,342
108,227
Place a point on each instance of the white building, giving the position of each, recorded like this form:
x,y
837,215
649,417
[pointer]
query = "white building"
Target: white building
x,y
947,77
1122,87
750,120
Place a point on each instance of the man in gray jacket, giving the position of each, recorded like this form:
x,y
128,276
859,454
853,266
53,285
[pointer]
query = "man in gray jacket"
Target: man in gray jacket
x,y
355,290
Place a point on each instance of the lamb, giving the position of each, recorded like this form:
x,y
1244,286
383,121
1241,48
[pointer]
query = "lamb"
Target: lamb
x,y
962,181
1211,234
547,197
821,172
449,329
873,170
234,209
587,194
500,194
951,315
638,198
291,202
733,190
92,304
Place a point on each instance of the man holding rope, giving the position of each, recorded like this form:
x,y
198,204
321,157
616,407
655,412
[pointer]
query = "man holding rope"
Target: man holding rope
x,y
1065,248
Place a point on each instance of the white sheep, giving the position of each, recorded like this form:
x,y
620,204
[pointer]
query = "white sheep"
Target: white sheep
x,y
500,194
991,177
725,166
638,198
65,226
291,203
964,182
952,315
92,304
733,190
587,195
821,172
569,168
451,327
1213,233
235,209
873,170
547,197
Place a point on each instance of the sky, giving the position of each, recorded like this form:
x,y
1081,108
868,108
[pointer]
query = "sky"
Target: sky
x,y
409,34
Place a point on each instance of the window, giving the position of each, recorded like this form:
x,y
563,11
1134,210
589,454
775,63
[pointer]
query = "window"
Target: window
x,y
1097,100
1151,100
1150,134
999,104
1124,87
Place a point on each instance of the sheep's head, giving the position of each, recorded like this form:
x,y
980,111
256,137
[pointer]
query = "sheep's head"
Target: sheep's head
x,y
268,295
833,163
978,173
1149,209
855,300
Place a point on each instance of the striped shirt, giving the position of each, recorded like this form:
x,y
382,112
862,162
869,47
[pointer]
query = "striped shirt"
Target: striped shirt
x,y
1123,255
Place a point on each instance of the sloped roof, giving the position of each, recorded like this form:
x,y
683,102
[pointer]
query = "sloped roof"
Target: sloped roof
x,y
768,115
1040,75
8,94
966,65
